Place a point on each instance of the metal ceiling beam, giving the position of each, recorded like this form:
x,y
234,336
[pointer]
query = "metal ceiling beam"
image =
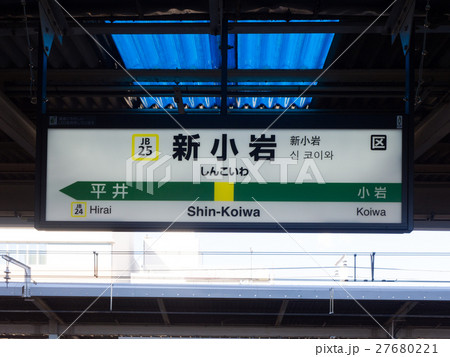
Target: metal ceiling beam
x,y
16,196
16,125
342,91
205,28
9,145
433,128
17,167
199,9
431,201
432,169
235,28
110,76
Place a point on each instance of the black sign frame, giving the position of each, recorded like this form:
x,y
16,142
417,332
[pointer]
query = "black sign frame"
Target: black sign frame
x,y
205,119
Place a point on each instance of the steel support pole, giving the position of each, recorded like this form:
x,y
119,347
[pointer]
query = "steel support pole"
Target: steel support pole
x,y
42,78
224,68
40,127
409,132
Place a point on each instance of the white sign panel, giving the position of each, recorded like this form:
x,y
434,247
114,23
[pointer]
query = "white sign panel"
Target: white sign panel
x,y
278,176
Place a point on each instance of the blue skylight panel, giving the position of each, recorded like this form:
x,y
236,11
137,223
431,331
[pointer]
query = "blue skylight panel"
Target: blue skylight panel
x,y
281,51
169,51
202,51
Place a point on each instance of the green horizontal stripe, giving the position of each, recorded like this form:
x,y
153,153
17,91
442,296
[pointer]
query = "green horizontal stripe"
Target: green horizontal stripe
x,y
275,192
314,192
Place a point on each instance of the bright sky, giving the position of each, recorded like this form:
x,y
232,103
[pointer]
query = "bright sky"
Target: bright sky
x,y
417,241
235,254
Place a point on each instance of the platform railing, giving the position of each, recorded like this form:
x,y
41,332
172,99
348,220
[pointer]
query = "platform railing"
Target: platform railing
x,y
232,267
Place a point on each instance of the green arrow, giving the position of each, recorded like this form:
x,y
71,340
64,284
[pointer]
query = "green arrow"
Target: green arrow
x,y
139,191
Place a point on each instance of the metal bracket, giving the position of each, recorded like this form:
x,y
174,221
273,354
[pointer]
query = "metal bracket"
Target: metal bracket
x,y
26,293
95,264
215,18
400,22
224,66
372,265
331,311
53,23
179,99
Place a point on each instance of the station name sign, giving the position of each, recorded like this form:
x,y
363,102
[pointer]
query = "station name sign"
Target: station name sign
x,y
310,174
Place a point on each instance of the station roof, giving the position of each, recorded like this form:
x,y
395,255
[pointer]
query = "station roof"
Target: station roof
x,y
369,77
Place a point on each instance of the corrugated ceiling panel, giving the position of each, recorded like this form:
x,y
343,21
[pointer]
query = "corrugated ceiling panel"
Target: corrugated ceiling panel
x,y
169,51
201,51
